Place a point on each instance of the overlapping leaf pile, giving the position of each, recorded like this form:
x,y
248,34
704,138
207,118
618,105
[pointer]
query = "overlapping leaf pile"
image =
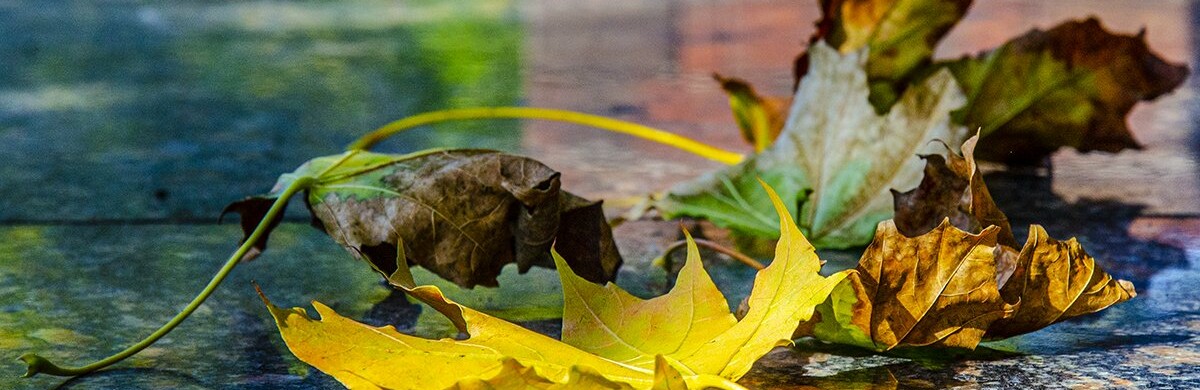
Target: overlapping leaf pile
x,y
870,97
946,271
611,340
949,287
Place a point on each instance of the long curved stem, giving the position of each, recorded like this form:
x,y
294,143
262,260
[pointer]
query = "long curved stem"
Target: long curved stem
x,y
614,125
40,365
747,260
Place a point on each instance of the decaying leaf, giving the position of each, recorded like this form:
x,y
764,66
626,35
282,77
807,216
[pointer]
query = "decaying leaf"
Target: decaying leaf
x,y
692,322
941,289
949,287
1047,280
760,118
835,160
901,35
462,214
1071,86
1055,280
684,339
937,289
952,188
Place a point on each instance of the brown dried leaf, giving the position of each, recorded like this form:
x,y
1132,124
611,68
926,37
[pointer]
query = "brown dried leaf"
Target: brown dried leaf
x,y
462,214
1071,86
952,188
936,289
1005,292
1055,280
252,210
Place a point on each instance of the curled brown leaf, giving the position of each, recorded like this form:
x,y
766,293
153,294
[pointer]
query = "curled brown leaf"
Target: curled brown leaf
x,y
992,291
462,214
937,289
952,188
1053,281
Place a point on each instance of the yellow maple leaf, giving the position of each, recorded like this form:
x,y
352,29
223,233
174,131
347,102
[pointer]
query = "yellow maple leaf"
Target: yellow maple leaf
x,y
684,339
692,322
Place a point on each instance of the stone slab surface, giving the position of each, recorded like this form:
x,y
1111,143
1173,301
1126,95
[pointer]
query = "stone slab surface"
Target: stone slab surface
x,y
124,135
78,293
168,111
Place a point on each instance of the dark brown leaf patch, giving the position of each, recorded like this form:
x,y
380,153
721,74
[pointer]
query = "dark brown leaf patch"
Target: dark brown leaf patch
x,y
462,214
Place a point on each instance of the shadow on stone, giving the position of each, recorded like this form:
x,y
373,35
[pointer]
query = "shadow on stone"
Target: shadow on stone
x,y
134,378
892,376
1102,226
395,310
785,368
920,354
1193,82
1058,342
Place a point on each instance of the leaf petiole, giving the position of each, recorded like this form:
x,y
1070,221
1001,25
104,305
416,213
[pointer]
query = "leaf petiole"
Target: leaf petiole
x,y
40,365
740,257
328,175
600,122
341,160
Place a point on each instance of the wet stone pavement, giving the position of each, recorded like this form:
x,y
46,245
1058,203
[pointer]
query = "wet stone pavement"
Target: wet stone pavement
x,y
126,126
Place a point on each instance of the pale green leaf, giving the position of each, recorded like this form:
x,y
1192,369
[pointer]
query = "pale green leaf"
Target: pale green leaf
x,y
835,160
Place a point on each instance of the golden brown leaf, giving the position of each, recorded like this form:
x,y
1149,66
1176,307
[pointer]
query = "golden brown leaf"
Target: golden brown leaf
x,y
1006,292
952,188
935,289
1055,280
